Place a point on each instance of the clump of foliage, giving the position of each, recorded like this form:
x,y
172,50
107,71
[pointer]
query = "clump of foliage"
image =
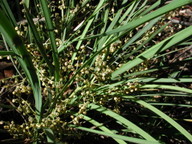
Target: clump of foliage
x,y
95,67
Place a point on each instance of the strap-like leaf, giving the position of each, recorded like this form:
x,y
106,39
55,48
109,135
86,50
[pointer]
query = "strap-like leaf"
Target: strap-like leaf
x,y
16,44
6,53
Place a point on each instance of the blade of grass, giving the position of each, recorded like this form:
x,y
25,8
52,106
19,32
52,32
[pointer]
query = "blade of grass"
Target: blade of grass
x,y
138,35
167,118
122,120
156,4
136,22
101,127
99,6
141,32
11,58
37,38
128,12
173,51
5,6
50,136
103,40
26,3
171,104
161,94
131,11
151,80
162,80
157,68
171,6
125,138
82,36
147,41
24,59
50,28
141,8
177,88
165,44
5,53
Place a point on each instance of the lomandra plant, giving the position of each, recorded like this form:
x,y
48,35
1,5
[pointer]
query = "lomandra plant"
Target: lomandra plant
x,y
91,68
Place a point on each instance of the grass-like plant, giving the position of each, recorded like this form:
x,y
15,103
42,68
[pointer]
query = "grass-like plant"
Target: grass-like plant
x,y
96,67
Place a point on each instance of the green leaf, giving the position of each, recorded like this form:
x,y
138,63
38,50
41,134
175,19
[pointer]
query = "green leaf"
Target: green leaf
x,y
156,86
50,28
50,135
125,138
160,47
129,26
122,120
167,118
5,53
137,36
100,126
24,59
160,80
172,104
37,38
5,6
